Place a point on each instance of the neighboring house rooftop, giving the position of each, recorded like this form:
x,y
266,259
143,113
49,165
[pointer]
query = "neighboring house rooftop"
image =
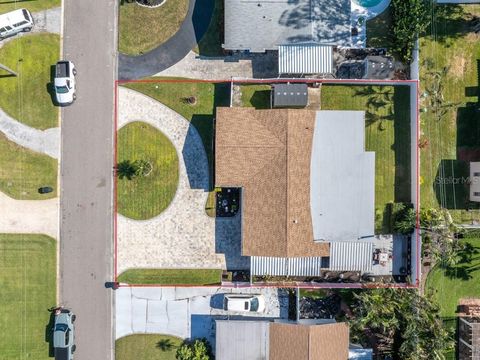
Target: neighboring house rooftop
x,y
263,340
305,176
259,25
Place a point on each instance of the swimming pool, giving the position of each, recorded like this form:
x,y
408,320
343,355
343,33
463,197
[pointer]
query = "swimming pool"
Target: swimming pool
x,y
367,3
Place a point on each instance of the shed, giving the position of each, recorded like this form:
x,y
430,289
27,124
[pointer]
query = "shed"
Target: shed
x,y
289,95
308,58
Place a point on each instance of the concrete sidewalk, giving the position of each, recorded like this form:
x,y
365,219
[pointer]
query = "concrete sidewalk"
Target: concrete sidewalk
x,y
42,141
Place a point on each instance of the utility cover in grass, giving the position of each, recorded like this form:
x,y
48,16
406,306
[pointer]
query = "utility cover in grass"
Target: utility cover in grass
x,y
146,194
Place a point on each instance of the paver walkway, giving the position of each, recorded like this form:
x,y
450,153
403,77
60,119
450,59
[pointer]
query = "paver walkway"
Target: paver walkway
x,y
186,312
243,66
45,21
42,141
29,216
182,236
174,49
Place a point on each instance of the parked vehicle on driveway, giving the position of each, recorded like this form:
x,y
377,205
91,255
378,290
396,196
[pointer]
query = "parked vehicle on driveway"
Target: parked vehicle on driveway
x,y
14,22
244,302
63,335
64,82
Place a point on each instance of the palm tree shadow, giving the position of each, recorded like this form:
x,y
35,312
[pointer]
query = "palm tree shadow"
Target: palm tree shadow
x,y
165,345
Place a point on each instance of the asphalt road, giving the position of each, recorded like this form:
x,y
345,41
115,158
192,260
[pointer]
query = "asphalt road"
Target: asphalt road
x,y
86,230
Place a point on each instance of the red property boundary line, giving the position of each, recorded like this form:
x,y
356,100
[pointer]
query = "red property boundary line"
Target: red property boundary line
x,y
272,81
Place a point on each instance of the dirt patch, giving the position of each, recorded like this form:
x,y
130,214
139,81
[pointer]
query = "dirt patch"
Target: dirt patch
x,y
472,37
458,66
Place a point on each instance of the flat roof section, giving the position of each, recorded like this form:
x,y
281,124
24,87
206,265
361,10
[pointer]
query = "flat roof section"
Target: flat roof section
x,y
240,340
342,178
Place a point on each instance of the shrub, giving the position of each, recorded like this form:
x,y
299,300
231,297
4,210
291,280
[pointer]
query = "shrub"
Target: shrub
x,y
199,349
410,18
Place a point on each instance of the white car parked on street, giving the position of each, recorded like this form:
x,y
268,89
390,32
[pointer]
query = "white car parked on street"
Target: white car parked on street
x,y
64,82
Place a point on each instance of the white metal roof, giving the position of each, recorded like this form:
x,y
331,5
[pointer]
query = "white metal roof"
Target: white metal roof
x,y
351,256
277,266
305,59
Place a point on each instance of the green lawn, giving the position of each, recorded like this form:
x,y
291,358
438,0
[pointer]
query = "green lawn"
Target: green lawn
x,y
144,197
201,114
28,287
142,29
171,276
33,6
211,42
23,171
460,281
26,98
387,134
147,347
453,139
256,95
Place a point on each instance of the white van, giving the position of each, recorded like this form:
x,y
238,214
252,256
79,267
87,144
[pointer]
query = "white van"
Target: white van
x,y
14,22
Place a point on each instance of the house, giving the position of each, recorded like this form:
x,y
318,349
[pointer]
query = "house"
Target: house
x,y
261,25
266,340
307,190
469,329
475,181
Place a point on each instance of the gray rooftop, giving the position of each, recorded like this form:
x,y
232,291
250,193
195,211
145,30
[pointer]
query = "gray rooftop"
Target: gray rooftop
x,y
259,25
342,178
290,95
240,340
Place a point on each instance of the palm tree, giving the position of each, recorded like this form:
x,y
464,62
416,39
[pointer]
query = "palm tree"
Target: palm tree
x,y
126,169
406,221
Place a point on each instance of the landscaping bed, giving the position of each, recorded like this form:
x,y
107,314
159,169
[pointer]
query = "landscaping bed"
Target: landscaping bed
x,y
147,195
387,134
171,276
26,97
28,277
142,28
200,112
23,172
147,347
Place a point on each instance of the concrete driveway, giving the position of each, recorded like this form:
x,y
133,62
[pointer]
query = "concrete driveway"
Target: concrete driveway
x,y
29,216
185,312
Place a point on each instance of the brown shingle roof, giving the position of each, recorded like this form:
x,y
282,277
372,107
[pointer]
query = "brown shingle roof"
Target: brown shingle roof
x,y
309,342
267,153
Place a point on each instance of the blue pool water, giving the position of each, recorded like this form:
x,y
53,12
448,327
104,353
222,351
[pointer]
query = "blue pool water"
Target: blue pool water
x,y
368,3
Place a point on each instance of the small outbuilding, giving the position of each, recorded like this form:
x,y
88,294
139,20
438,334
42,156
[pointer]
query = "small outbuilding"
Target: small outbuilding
x,y
289,95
